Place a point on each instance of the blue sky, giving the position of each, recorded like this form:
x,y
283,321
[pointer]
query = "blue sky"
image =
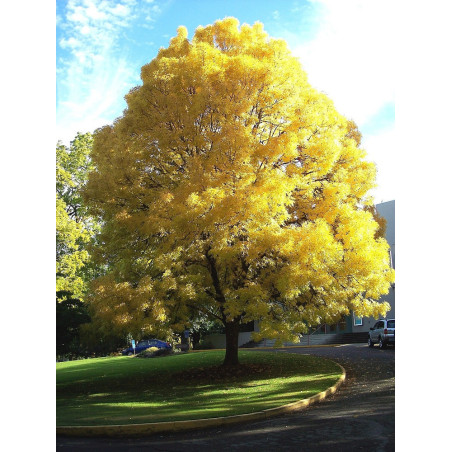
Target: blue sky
x,y
346,48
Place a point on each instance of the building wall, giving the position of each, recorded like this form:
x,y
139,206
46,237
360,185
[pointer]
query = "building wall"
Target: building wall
x,y
386,210
219,340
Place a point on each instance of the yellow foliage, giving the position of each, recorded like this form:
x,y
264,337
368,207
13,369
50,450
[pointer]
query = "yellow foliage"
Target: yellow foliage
x,y
232,186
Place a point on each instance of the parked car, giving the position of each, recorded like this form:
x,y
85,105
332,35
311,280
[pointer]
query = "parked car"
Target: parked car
x,y
383,333
143,345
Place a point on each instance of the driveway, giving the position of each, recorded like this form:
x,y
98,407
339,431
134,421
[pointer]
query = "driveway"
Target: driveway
x,y
359,417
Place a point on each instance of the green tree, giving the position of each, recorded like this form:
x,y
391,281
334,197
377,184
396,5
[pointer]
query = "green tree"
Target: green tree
x,y
74,227
233,188
75,233
71,313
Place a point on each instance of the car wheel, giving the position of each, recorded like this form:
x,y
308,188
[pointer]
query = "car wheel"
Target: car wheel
x,y
129,354
381,344
370,343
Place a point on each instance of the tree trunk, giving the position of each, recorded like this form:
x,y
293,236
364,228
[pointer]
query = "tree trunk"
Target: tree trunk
x,y
232,327
232,343
196,338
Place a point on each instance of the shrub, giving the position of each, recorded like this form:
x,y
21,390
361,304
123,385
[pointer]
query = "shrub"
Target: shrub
x,y
148,353
181,347
163,352
249,344
153,352
204,346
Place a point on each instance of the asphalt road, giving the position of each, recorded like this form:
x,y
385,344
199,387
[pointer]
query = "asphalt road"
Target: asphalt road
x,y
359,417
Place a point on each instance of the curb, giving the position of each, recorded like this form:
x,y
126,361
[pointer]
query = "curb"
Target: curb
x,y
177,426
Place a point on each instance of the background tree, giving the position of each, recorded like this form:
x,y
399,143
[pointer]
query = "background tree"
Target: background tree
x,y
71,313
231,187
75,231
74,228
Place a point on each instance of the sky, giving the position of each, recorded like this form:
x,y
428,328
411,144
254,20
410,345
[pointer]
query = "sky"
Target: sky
x,y
346,47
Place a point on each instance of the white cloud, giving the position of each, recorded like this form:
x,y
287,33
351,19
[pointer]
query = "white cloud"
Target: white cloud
x,y
92,102
85,30
120,10
352,56
93,13
69,43
94,76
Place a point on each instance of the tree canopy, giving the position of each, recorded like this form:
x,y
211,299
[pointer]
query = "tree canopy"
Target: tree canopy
x,y
231,187
74,227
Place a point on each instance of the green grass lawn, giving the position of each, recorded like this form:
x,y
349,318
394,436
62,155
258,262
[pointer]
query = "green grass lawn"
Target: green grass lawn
x,y
124,390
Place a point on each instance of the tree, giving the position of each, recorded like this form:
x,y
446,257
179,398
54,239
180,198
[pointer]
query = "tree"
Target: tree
x,y
74,232
381,221
71,313
231,187
74,228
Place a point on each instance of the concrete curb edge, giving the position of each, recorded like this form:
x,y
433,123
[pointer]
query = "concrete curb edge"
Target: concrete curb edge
x,y
177,426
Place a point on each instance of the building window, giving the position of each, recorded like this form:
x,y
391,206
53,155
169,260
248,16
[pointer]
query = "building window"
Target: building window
x,y
357,320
